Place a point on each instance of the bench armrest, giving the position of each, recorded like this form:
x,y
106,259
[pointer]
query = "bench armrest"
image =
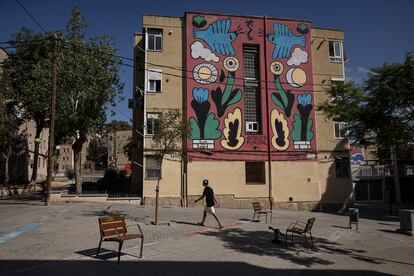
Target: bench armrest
x,y
139,228
297,223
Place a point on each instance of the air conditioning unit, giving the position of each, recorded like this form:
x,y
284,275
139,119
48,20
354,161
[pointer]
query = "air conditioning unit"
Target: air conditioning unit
x,y
252,126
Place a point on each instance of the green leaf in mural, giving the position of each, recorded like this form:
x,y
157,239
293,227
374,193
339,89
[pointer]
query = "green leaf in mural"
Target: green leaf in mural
x,y
211,130
237,97
277,102
195,130
309,132
297,123
199,21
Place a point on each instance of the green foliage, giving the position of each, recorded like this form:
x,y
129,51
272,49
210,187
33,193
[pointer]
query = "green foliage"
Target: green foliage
x,y
70,174
168,135
381,113
97,151
88,78
117,126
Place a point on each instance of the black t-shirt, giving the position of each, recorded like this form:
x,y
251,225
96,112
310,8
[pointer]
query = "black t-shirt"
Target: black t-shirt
x,y
209,194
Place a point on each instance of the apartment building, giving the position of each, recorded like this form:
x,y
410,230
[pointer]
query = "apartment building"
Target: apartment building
x,y
248,88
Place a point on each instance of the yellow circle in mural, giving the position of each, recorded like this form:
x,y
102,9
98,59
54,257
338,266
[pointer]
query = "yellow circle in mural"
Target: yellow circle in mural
x,y
296,77
231,64
205,73
276,67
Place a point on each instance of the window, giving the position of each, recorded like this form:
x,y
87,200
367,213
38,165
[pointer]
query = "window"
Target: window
x,y
340,130
154,80
154,39
255,172
252,88
152,167
342,166
335,51
153,120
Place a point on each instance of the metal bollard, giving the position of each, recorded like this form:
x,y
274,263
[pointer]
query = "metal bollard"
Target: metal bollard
x,y
353,217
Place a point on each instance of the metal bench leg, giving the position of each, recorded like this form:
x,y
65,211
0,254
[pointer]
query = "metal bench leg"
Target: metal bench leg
x,y
119,251
142,244
99,248
286,237
311,238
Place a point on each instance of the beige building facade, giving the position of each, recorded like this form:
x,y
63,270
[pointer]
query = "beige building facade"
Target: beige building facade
x,y
248,88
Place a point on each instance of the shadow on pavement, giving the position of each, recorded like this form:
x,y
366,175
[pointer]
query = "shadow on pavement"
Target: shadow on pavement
x,y
259,243
82,267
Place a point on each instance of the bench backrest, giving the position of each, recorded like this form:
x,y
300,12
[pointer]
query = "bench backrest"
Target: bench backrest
x,y
257,206
309,225
107,226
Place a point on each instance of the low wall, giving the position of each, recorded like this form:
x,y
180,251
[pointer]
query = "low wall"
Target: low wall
x,y
231,202
18,190
59,197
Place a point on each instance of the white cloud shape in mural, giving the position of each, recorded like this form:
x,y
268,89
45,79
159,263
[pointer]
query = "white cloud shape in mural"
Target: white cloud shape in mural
x,y
198,50
298,57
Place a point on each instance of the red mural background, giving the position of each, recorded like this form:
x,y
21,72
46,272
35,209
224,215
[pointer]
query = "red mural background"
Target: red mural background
x,y
215,86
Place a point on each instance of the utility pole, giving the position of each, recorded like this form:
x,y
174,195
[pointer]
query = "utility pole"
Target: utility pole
x,y
52,123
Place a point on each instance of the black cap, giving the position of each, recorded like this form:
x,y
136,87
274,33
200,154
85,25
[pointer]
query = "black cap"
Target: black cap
x,y
205,182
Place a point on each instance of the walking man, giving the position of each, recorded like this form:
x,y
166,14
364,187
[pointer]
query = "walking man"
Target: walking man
x,y
210,203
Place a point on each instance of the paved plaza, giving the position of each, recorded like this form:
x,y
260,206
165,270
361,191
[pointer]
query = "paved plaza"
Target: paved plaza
x,y
62,240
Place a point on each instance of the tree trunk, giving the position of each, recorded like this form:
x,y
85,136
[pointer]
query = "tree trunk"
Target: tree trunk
x,y
77,156
5,166
39,128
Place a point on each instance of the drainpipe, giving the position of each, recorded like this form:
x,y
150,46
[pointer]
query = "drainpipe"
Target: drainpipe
x,y
269,153
145,107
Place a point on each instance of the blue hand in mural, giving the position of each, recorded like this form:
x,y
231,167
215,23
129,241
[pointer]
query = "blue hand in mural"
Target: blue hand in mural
x,y
284,40
218,37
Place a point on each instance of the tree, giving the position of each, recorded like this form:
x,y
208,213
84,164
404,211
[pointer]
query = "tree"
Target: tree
x,y
28,70
89,79
117,126
382,112
167,141
8,127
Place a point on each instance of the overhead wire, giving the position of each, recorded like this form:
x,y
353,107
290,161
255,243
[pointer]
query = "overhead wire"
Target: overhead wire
x,y
183,76
31,16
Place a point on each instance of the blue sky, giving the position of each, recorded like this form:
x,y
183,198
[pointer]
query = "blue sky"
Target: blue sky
x,y
375,31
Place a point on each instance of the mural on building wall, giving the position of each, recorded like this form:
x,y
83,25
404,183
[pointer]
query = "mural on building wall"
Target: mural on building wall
x,y
280,139
204,130
249,25
219,37
302,132
230,96
215,85
232,131
284,40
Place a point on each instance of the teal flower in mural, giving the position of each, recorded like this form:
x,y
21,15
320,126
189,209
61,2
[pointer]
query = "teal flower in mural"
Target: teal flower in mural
x,y
304,99
200,94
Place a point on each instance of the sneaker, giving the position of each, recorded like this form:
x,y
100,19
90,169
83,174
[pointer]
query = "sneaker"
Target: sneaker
x,y
220,226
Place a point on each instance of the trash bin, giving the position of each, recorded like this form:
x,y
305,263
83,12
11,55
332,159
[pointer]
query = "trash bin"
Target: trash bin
x,y
353,217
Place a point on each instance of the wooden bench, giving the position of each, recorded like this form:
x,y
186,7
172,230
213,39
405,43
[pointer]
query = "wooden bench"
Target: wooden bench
x,y
114,229
301,228
258,210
